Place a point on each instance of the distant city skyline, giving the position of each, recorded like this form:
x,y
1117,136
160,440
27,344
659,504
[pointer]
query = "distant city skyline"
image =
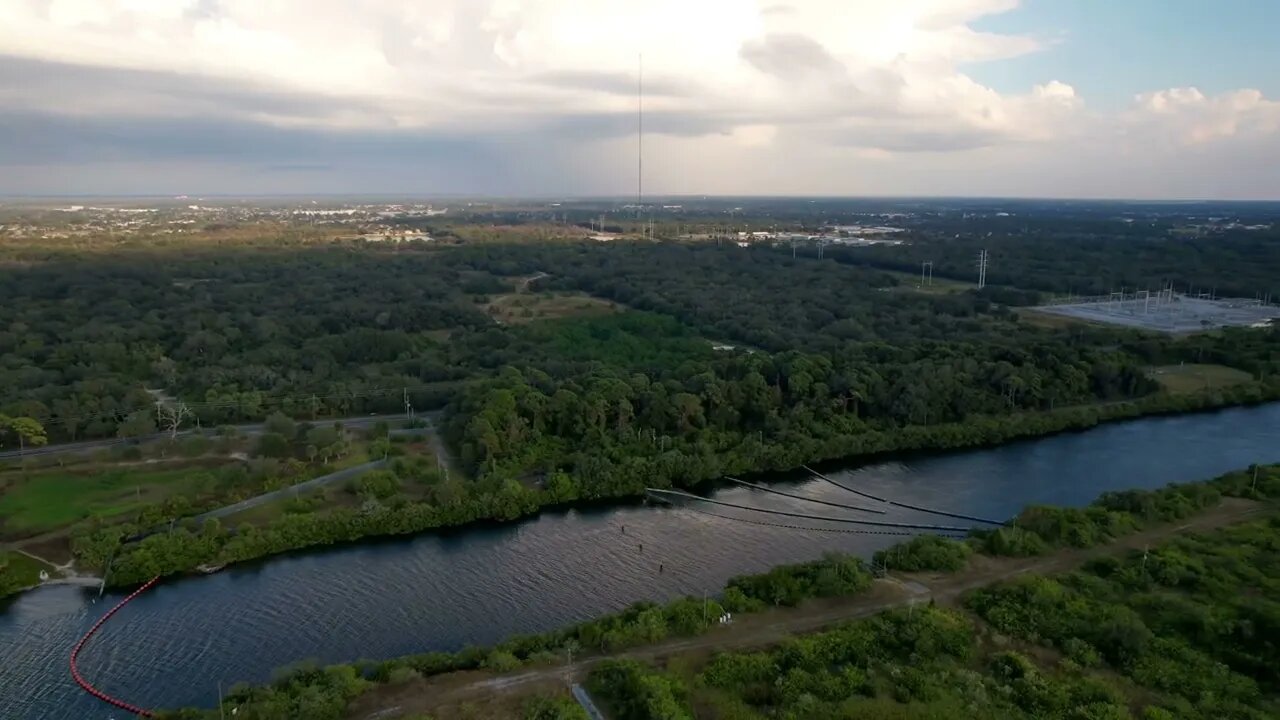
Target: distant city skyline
x,y
960,98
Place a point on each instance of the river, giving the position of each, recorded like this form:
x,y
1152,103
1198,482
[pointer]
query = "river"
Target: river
x,y
174,645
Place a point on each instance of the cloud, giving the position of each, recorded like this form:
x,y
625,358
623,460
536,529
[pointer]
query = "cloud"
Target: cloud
x,y
476,89
790,57
454,63
1187,116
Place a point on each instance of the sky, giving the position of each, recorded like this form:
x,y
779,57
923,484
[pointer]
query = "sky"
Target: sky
x,y
1139,99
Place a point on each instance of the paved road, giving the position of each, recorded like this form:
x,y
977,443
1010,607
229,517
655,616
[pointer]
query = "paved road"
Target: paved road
x,y
580,694
323,480
282,493
250,429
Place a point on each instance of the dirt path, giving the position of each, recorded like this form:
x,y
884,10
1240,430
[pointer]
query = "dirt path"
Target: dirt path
x,y
64,574
523,285
772,626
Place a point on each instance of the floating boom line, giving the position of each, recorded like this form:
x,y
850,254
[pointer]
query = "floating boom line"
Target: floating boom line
x,y
875,523
801,497
917,508
842,531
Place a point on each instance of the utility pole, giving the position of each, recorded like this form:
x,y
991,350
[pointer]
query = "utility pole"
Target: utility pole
x,y
408,408
222,713
1254,487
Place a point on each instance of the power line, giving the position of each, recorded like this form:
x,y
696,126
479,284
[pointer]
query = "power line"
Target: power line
x,y
875,523
867,495
762,488
917,508
843,531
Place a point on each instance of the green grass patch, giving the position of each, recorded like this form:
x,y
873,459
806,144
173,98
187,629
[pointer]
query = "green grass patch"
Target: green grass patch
x,y
50,500
19,571
936,285
522,307
632,339
1191,378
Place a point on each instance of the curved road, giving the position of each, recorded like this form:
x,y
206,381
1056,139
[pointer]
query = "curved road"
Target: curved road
x,y
282,493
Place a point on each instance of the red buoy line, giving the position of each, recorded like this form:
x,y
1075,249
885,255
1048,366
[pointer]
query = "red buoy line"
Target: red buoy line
x,y
75,653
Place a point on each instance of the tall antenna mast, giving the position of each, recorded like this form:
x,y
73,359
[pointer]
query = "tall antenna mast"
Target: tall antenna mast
x,y
640,134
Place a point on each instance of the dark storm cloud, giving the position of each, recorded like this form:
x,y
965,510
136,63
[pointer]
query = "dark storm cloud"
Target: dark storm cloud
x,y
790,56
67,114
613,83
299,168
905,139
72,89
39,138
602,126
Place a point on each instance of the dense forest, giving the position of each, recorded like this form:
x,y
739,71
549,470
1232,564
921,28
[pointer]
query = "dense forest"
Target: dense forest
x,y
700,361
238,332
847,357
235,333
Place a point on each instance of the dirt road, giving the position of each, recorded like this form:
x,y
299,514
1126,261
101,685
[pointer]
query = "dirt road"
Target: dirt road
x,y
436,694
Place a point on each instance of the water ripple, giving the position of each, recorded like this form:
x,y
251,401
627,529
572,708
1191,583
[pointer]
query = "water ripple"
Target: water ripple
x,y
174,645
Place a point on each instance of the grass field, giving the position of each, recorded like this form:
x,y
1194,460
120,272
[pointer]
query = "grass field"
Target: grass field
x,y
517,308
911,282
22,569
41,501
1195,378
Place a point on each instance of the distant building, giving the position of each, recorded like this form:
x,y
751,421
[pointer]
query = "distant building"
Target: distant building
x,y
394,237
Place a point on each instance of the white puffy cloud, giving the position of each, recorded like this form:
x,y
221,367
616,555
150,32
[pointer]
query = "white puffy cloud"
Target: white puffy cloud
x,y
807,86
494,64
1188,116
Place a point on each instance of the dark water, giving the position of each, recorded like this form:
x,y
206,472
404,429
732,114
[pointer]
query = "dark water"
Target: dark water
x,y
173,645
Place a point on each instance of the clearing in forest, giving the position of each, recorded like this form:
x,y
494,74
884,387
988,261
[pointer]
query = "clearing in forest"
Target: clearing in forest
x,y
524,307
910,282
1191,378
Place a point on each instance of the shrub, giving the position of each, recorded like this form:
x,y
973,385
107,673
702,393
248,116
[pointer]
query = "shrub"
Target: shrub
x,y
1013,542
401,675
380,484
501,661
925,552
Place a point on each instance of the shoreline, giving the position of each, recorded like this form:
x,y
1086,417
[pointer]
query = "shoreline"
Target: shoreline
x,y
1219,501
1015,429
